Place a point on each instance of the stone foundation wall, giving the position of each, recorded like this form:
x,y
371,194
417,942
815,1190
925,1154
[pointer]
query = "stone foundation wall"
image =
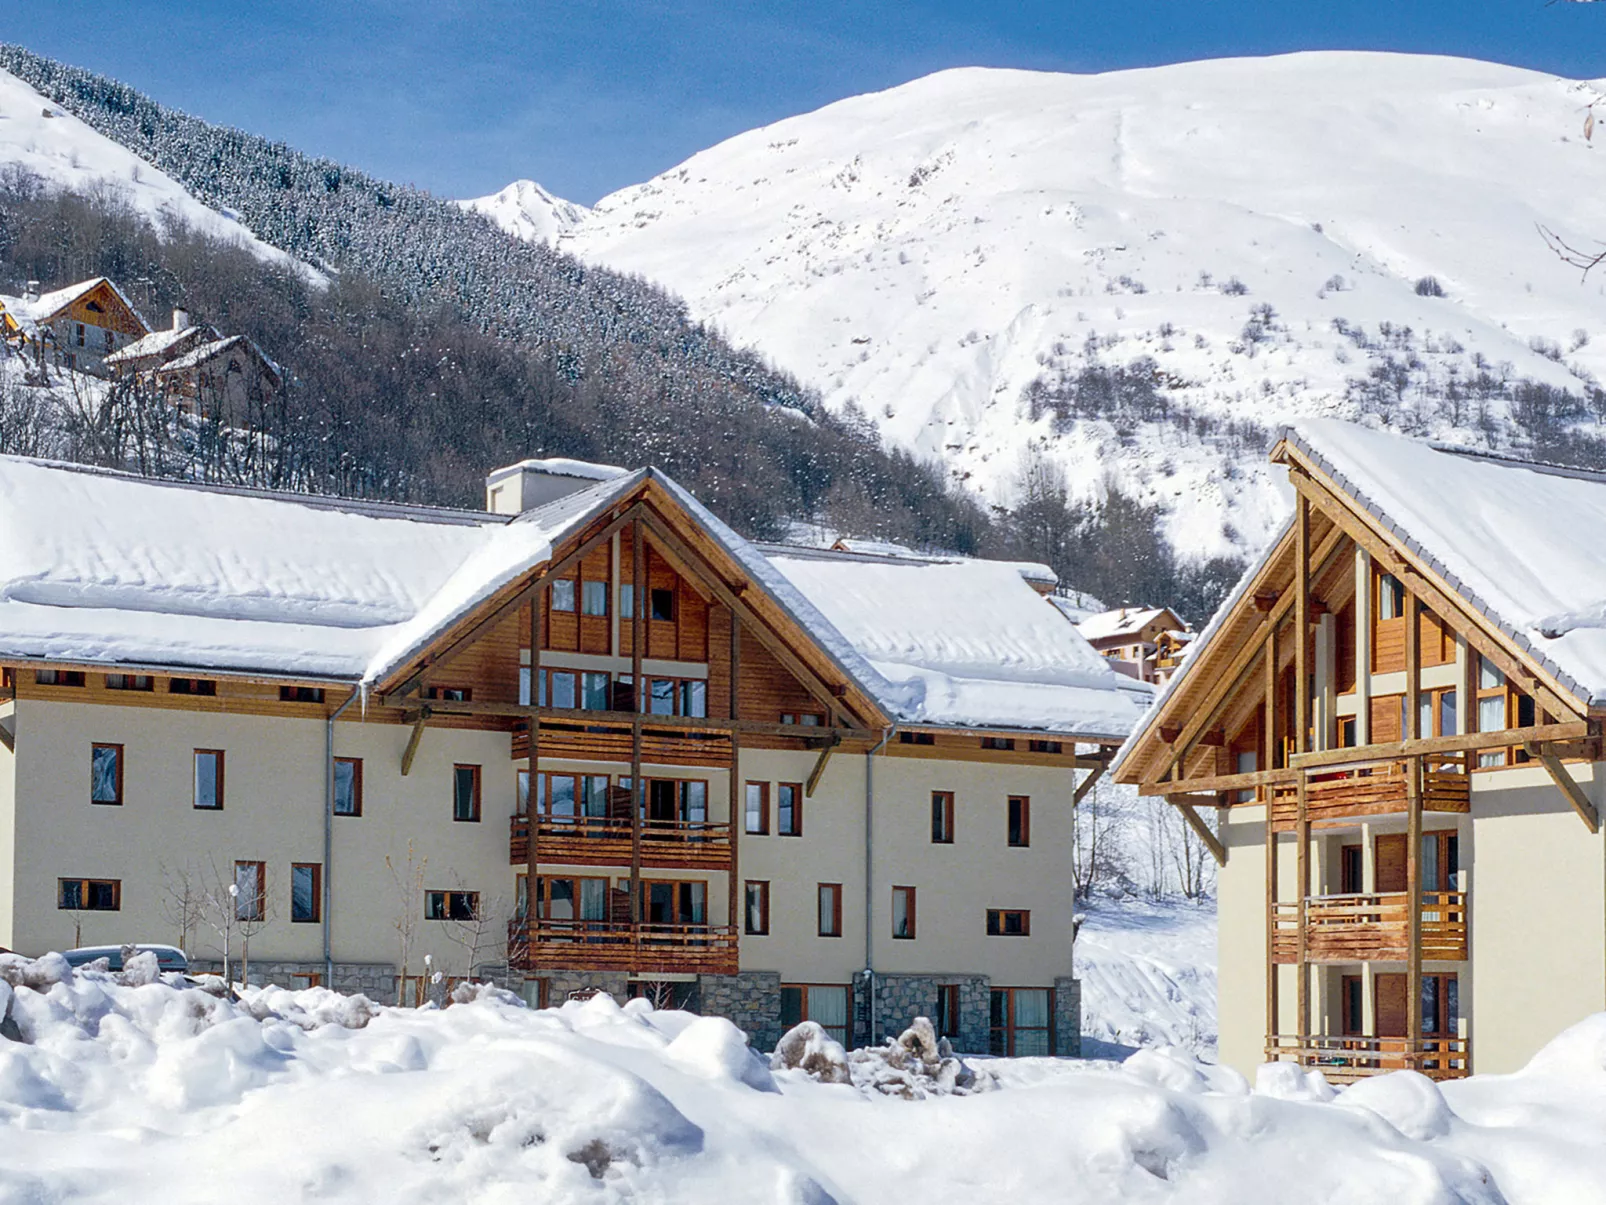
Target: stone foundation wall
x,y
561,983
751,1000
376,980
1068,1017
902,998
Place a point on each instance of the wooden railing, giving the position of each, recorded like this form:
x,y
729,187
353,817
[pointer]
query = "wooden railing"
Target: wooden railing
x,y
613,743
606,841
1345,1059
1371,928
1373,789
614,946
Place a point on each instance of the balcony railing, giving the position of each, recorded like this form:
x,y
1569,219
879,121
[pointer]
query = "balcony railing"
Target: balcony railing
x,y
1346,1059
1372,789
537,944
606,841
1371,928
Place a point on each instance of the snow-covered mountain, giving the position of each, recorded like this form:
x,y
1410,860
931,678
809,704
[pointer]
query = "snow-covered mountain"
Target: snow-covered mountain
x,y
930,251
39,136
526,210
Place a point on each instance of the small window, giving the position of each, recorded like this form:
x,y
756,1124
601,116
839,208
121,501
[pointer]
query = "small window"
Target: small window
x,y
191,686
1020,821
758,808
209,778
903,913
451,694
998,742
694,698
306,892
789,809
916,738
130,682
757,910
830,909
563,595
942,817
106,774
59,677
565,690
596,691
1046,746
1346,734
1390,597
301,694
593,598
663,605
251,891
1009,922
946,1014
661,696
466,793
89,895
627,602
451,905
348,786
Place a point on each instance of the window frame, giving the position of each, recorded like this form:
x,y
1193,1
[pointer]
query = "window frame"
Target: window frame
x,y
828,920
911,913
195,781
761,889
85,903
120,761
356,787
448,897
656,594
998,920
1001,1039
593,588
476,795
140,683
312,695
193,687
1018,835
241,900
942,817
998,744
796,827
317,893
570,586
69,678
764,809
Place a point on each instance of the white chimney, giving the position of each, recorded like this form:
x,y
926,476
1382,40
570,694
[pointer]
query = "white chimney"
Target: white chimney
x,y
516,488
32,292
181,319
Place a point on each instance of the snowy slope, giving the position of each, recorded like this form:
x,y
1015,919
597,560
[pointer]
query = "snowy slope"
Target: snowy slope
x,y
39,136
930,250
1148,972
526,210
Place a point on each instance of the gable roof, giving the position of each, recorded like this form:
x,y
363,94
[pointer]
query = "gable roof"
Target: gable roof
x,y
32,312
159,344
1126,621
207,351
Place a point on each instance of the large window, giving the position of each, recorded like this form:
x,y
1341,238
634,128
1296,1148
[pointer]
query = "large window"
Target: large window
x,y
903,913
1021,1021
758,808
250,891
466,793
789,809
59,677
301,694
757,907
191,686
306,892
106,774
208,778
830,909
89,895
571,898
348,786
942,817
1020,821
827,1005
675,801
451,905
675,902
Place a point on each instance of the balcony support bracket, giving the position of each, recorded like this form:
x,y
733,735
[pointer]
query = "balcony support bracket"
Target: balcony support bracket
x,y
420,721
1567,785
1187,804
819,767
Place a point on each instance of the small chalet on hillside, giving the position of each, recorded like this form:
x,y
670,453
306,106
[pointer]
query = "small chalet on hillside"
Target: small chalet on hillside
x,y
1396,723
200,371
588,739
1143,642
75,327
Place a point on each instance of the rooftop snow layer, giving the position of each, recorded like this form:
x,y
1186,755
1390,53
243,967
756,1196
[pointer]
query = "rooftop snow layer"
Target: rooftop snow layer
x,y
1127,621
153,344
562,466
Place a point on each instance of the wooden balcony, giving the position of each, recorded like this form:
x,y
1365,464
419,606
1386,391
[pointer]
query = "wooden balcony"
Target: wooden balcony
x,y
1372,789
535,945
1344,1060
1371,928
661,744
606,841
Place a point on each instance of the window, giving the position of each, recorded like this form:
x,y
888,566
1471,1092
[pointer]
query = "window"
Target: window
x,y
1021,1021
251,891
1440,1005
1045,746
521,793
1350,870
306,892
301,694
450,694
451,905
106,774
997,742
1346,732
348,786
130,682
593,598
675,902
757,910
916,738
789,809
663,605
89,895
758,807
563,595
1009,922
804,719
1390,597
466,793
627,602
942,817
1352,1019
208,778
903,913
1020,821
694,698
830,909
79,333
946,1014
595,691
1436,713
191,686
59,677
571,899
826,1005
561,687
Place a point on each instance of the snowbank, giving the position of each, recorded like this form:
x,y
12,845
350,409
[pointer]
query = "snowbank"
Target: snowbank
x,y
140,1088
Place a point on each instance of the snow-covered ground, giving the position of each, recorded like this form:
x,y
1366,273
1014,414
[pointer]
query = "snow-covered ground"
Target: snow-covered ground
x,y
112,1092
1148,972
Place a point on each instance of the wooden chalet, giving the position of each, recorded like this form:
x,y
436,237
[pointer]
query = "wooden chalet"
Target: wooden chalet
x,y
75,327
1390,738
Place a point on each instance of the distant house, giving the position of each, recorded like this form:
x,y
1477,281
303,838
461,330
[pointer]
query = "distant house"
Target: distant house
x,y
159,347
1133,637
199,370
76,327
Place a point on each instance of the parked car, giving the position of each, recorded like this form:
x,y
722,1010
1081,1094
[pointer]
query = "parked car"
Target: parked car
x,y
168,958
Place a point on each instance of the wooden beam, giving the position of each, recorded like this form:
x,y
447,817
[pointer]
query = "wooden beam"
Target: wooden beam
x,y
1185,805
413,740
1413,668
1413,910
1468,742
1302,887
1567,785
1273,1020
1302,628
819,769
638,641
738,801
1214,783
1086,785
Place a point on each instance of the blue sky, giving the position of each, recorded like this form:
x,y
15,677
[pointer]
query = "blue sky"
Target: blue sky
x,y
588,97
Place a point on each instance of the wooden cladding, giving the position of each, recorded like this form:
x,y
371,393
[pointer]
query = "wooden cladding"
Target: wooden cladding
x,y
1377,789
1343,1060
606,841
535,944
1371,927
1390,612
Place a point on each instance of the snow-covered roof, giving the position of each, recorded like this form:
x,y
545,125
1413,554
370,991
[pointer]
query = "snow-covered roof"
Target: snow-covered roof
x,y
47,305
1127,621
962,643
1511,537
562,466
157,343
195,357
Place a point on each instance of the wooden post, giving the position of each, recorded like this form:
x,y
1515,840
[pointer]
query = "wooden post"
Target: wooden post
x,y
1301,744
1268,741
531,817
1302,882
638,638
737,797
1413,670
1413,914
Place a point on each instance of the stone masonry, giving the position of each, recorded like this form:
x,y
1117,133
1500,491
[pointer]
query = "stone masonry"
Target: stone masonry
x,y
902,998
1068,1017
751,1000
376,980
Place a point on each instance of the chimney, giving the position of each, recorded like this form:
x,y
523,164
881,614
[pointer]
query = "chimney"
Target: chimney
x,y
181,319
516,488
32,291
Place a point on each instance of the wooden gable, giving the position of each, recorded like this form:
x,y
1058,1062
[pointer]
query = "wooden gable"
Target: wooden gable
x,y
102,306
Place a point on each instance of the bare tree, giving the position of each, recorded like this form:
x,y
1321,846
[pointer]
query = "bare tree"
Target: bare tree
x,y
182,901
253,905
1098,857
408,881
218,911
482,937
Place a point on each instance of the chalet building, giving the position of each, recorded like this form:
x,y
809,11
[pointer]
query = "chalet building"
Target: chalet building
x,y
1396,720
588,739
199,370
1143,642
74,328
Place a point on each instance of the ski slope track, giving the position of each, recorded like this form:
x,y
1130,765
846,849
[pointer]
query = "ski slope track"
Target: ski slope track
x,y
926,252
